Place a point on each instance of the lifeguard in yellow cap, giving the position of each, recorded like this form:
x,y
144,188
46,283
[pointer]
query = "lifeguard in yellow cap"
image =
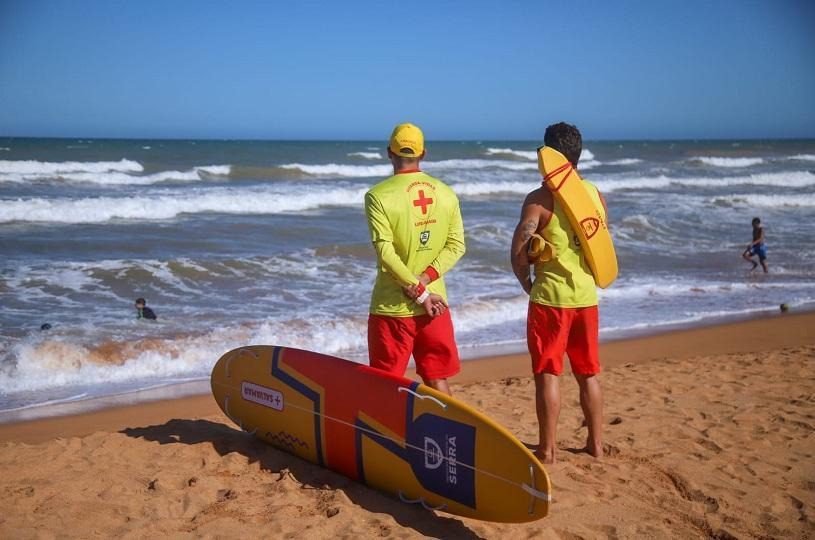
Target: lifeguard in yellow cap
x,y
418,234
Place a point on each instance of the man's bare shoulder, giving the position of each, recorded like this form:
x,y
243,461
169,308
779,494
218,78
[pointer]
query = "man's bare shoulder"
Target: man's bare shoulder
x,y
540,197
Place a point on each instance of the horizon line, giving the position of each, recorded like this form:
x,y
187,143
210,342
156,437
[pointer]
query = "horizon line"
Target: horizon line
x,y
384,140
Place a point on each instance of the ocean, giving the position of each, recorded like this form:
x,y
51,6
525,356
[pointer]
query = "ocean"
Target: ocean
x,y
265,242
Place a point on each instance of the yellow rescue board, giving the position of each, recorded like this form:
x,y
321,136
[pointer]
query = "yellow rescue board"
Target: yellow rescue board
x,y
586,218
388,432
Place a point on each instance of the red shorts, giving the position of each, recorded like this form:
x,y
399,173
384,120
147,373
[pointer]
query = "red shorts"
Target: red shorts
x,y
552,331
391,340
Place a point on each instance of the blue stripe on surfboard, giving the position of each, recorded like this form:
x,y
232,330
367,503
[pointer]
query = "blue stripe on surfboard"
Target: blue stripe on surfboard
x,y
313,395
363,429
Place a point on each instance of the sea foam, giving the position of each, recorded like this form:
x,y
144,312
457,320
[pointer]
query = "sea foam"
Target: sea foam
x,y
526,154
366,155
532,155
729,161
117,177
171,205
789,180
804,200
50,168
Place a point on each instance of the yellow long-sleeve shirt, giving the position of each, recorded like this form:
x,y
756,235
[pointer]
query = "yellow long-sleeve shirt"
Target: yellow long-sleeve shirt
x,y
415,222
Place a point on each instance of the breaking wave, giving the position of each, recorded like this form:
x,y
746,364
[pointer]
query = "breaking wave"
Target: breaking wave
x,y
728,161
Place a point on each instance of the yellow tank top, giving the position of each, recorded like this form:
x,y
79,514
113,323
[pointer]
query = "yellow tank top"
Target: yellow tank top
x,y
565,281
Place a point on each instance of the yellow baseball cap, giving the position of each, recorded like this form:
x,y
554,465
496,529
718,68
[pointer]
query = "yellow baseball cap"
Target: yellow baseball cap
x,y
407,141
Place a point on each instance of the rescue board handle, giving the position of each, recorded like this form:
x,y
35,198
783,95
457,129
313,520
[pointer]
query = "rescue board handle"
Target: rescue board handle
x,y
421,396
237,421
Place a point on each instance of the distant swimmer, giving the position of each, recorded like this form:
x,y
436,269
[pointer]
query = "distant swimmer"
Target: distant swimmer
x,y
757,247
144,312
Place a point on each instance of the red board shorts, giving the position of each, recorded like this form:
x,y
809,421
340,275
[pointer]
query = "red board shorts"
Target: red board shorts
x,y
391,340
552,331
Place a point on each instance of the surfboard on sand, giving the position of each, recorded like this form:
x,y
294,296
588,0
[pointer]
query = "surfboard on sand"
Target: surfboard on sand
x,y
587,219
391,433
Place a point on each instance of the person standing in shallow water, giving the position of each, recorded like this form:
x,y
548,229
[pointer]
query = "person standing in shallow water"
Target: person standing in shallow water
x,y
144,312
563,314
757,247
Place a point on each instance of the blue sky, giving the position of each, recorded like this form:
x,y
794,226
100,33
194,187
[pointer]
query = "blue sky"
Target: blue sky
x,y
461,70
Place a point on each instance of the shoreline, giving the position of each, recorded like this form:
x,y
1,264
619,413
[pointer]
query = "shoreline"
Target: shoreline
x,y
707,434
768,333
469,357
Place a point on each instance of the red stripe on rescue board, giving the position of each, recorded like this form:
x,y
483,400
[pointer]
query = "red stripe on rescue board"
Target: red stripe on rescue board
x,y
557,171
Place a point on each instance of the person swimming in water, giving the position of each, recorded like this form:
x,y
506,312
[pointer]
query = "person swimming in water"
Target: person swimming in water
x,y
144,312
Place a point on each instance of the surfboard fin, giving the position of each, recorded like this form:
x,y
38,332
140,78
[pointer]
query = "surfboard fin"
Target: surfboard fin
x,y
426,506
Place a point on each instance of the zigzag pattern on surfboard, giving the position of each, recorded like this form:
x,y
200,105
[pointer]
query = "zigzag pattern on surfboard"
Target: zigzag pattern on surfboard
x,y
286,440
425,446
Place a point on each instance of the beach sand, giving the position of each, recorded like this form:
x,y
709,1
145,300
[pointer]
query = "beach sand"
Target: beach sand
x,y
709,433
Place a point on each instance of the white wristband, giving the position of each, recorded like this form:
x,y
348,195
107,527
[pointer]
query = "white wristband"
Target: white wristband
x,y
422,297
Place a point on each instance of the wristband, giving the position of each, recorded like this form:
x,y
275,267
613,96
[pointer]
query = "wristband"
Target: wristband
x,y
422,293
431,273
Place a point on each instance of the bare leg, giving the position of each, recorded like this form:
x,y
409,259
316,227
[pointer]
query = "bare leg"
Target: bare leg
x,y
764,266
591,401
547,406
749,259
438,384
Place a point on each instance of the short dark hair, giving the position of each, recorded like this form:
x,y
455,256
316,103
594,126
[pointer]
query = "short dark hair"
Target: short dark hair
x,y
566,139
756,221
141,301
403,161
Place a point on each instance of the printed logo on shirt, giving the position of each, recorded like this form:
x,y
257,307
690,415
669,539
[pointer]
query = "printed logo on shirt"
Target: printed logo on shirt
x,y
422,197
424,237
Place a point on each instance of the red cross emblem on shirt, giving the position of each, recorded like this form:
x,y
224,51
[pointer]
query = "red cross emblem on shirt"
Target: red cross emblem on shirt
x,y
423,202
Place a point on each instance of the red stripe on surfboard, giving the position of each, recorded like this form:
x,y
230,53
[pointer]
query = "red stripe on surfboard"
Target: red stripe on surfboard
x,y
334,378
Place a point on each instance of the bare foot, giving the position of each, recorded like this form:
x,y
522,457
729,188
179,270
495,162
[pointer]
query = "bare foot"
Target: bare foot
x,y
547,458
594,449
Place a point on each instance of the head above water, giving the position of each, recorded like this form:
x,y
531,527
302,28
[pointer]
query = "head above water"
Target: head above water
x,y
566,139
756,222
140,302
406,146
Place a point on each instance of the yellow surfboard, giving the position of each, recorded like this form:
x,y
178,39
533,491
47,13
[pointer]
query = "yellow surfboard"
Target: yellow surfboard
x,y
391,433
587,219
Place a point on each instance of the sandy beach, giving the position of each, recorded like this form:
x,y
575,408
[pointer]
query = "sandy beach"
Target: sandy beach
x,y
709,433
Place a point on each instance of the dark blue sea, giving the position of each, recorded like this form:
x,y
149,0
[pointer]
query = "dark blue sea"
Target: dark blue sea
x,y
239,242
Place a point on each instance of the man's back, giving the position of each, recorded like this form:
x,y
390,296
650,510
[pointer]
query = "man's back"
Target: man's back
x,y
566,280
415,222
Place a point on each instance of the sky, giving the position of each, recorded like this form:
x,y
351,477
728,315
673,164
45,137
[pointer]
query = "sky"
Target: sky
x,y
350,70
